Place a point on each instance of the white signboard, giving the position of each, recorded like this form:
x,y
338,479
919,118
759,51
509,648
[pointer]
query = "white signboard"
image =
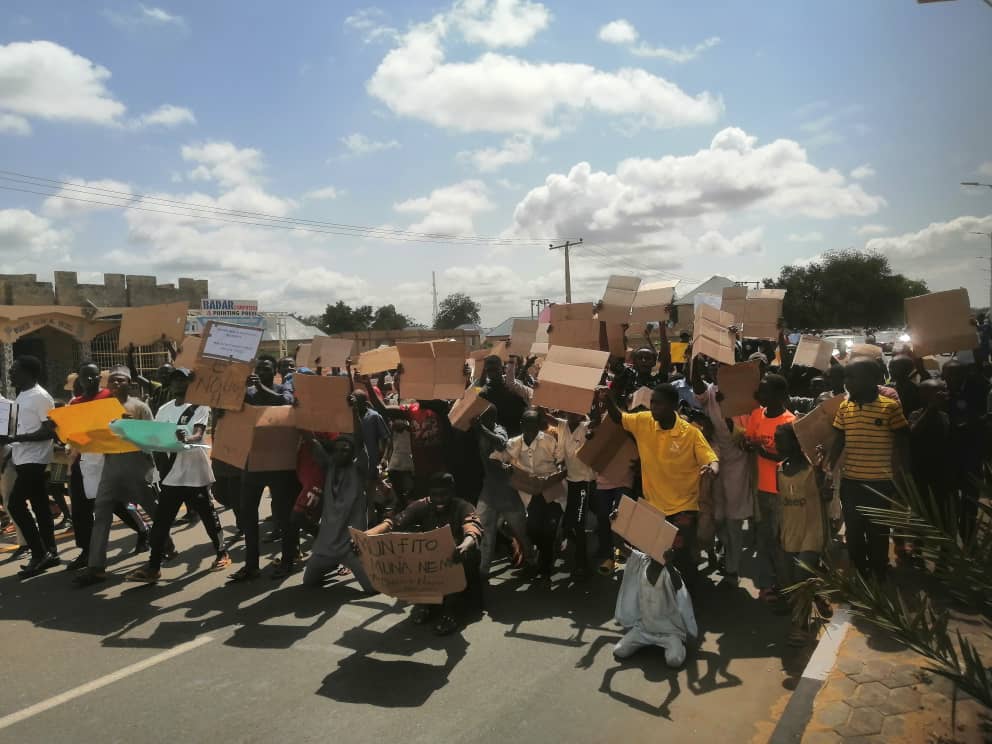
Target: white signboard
x,y
231,342
222,308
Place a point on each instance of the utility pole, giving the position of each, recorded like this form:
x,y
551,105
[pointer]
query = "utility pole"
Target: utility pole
x,y
434,291
536,306
989,236
568,273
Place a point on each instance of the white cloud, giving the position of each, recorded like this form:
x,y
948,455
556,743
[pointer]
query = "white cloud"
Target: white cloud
x,y
620,31
985,169
223,162
500,93
449,210
810,237
327,193
519,149
45,80
26,236
746,242
104,190
13,124
144,16
369,21
499,23
165,115
873,229
358,144
157,15
936,240
644,196
862,172
623,32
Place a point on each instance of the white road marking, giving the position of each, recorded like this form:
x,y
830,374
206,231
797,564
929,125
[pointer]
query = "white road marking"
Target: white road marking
x,y
96,684
821,663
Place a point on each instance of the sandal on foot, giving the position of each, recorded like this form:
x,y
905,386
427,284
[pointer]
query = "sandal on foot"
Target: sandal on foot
x,y
221,562
244,574
144,574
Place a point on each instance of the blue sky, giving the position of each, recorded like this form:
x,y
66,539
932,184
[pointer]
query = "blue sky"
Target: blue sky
x,y
679,140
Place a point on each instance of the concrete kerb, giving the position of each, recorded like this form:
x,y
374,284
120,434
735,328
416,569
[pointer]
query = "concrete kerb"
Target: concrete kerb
x,y
792,724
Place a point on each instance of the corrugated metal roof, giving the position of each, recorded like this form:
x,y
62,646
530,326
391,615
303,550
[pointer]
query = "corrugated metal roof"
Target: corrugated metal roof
x,y
714,285
504,328
296,330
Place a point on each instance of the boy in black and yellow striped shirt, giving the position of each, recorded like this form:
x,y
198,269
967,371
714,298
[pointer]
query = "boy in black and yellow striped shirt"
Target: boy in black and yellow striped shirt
x,y
871,429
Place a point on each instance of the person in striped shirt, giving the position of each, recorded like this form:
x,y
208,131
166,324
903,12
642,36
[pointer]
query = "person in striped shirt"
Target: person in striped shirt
x,y
871,429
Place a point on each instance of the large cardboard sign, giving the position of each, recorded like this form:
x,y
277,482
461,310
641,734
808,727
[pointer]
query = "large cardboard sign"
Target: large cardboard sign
x,y
813,352
570,311
617,299
711,335
229,342
940,322
383,359
432,370
652,302
738,384
732,302
569,377
189,352
644,527
219,384
610,452
762,310
258,439
413,566
327,353
322,403
579,334
816,428
143,326
86,426
523,335
467,409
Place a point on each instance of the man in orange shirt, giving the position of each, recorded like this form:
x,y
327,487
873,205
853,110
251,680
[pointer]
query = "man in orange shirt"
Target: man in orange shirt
x,y
773,395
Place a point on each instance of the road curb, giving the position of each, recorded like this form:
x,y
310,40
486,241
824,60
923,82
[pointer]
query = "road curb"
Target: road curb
x,y
792,724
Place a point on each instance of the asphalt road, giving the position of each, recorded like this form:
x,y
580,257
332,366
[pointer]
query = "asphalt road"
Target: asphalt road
x,y
194,660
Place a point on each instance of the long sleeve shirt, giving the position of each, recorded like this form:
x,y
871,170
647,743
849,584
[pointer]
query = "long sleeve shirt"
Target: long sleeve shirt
x,y
567,451
422,515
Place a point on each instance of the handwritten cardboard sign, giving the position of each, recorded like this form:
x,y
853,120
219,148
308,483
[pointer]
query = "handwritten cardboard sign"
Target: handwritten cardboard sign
x,y
568,378
610,452
711,335
86,426
327,352
813,352
738,384
383,359
323,403
258,439
413,566
230,342
644,527
432,370
219,384
941,322
467,408
652,302
816,428
143,326
617,299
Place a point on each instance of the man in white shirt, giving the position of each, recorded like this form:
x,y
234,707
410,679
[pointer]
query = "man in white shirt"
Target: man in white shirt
x,y
581,481
31,453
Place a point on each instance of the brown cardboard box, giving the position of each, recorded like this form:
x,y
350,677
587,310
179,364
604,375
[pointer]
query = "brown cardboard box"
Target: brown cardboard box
x,y
303,355
617,299
940,322
383,359
523,336
578,334
569,377
610,452
143,326
652,302
644,527
323,403
327,352
258,439
733,302
817,427
711,335
573,311
761,316
813,352
467,409
738,384
432,370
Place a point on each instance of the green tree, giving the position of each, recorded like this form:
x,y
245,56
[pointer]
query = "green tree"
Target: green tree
x,y
387,318
457,309
843,289
342,318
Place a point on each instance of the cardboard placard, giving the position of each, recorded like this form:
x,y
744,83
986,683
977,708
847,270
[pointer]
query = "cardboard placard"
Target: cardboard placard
x,y
615,339
258,439
641,398
533,485
568,378
328,353
732,302
86,426
644,527
617,299
652,302
189,352
8,418
711,335
738,384
523,335
322,403
415,567
940,322
817,427
501,349
762,311
539,349
219,384
229,342
813,352
865,350
143,326
610,452
383,359
303,355
432,370
467,409
578,334
766,293
572,311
